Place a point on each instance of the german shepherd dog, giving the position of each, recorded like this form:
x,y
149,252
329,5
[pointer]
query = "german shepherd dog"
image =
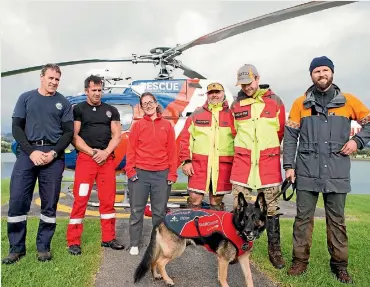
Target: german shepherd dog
x,y
249,220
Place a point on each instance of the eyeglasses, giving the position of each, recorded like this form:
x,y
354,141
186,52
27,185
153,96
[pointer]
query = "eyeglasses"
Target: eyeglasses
x,y
144,105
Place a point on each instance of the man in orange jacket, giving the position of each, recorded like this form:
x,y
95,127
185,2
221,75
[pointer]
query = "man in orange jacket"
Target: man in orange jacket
x,y
207,149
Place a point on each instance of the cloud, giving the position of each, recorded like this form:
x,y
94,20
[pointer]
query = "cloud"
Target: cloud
x,y
282,52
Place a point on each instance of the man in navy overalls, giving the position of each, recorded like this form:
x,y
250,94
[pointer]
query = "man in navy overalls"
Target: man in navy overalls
x,y
43,128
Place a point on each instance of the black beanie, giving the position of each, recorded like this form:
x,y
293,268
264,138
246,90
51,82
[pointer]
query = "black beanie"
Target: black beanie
x,y
321,61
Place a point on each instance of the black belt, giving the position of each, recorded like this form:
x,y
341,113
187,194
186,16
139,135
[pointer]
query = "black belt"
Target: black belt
x,y
42,142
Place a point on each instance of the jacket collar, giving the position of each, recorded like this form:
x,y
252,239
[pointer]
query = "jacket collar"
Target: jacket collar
x,y
338,100
159,117
243,96
225,105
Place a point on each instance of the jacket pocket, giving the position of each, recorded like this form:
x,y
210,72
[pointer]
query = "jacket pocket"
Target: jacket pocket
x,y
307,163
269,166
241,167
338,164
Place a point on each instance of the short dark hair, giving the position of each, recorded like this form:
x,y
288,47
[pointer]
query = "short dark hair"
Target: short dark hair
x,y
92,78
50,66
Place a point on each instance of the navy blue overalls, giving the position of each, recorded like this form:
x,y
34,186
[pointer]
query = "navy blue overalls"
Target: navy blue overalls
x,y
44,117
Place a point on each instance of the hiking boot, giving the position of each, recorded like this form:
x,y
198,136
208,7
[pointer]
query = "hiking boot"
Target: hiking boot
x,y
13,257
74,249
342,275
275,256
273,236
297,268
44,256
113,244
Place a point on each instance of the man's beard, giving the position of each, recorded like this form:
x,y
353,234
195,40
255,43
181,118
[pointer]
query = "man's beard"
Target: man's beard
x,y
214,101
323,86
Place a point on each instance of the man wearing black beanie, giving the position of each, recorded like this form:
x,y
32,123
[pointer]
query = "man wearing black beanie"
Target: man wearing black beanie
x,y
321,118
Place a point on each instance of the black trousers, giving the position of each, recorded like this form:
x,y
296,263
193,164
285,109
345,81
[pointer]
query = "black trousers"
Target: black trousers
x,y
22,184
337,241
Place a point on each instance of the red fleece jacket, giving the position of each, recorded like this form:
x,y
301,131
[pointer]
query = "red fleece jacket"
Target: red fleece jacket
x,y
152,146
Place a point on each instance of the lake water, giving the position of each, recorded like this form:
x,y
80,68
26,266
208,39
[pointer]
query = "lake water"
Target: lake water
x,y
360,173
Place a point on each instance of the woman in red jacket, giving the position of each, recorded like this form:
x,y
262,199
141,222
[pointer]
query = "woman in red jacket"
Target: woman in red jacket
x,y
151,166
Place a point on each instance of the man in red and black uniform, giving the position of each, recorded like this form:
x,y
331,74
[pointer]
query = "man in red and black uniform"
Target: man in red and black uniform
x,y
97,132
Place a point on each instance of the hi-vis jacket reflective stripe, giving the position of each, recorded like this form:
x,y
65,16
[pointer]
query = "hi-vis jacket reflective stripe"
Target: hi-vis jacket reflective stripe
x,y
323,131
208,140
259,123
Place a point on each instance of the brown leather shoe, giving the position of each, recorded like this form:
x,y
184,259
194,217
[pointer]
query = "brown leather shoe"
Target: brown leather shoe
x,y
44,256
342,275
13,257
297,268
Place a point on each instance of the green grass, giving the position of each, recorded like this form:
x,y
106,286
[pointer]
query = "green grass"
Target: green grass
x,y
4,190
358,220
65,269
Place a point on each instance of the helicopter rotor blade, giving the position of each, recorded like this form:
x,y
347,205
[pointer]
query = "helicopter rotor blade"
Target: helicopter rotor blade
x,y
251,24
189,72
78,62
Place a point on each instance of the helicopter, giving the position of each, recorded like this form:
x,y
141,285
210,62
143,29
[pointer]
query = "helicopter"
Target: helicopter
x,y
177,97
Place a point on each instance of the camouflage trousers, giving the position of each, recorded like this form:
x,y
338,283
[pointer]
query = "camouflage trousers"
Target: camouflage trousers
x,y
337,241
270,193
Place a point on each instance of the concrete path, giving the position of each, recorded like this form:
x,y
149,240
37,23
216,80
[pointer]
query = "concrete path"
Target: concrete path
x,y
196,267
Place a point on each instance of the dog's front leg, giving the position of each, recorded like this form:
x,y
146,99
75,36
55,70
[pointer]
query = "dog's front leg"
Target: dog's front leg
x,y
246,268
161,263
223,264
155,273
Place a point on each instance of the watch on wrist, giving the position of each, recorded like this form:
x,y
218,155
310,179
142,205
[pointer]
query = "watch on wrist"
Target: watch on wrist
x,y
55,154
186,161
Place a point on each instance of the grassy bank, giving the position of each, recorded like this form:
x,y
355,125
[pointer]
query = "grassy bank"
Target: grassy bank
x,y
64,269
357,220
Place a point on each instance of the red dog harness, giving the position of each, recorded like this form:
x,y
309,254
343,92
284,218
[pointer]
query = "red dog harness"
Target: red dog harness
x,y
194,224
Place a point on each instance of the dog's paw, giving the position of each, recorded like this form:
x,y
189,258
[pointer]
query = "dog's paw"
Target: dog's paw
x,y
170,283
158,277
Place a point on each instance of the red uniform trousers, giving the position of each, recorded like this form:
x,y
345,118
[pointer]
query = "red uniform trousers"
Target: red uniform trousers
x,y
87,170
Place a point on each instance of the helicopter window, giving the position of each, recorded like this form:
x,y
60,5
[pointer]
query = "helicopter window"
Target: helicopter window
x,y
126,114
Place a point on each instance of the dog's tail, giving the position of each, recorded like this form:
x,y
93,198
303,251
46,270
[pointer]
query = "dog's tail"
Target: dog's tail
x,y
146,261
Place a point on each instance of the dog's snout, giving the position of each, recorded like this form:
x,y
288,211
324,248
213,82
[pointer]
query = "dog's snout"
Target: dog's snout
x,y
248,233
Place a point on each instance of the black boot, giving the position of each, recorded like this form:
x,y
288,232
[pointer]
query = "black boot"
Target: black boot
x,y
273,236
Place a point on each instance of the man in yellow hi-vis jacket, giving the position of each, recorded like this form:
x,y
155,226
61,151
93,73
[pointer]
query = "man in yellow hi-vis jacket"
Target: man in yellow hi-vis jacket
x,y
207,149
259,121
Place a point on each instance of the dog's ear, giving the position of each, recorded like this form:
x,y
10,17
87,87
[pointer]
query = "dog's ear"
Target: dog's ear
x,y
241,201
261,202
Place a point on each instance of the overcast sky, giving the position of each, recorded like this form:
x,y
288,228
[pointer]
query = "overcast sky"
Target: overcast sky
x,y
34,33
